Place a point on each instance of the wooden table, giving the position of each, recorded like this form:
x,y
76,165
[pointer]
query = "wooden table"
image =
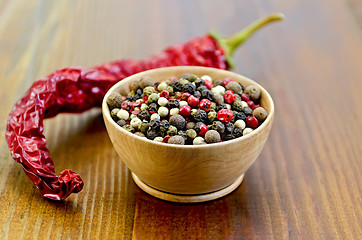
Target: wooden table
x,y
306,184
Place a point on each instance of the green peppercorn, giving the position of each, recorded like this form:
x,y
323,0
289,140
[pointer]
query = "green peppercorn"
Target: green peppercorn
x,y
183,81
177,94
217,83
179,140
153,98
169,89
197,94
211,116
143,126
190,125
237,105
212,136
260,114
114,100
178,121
131,93
146,82
191,133
172,130
253,92
148,91
128,128
234,86
192,77
213,106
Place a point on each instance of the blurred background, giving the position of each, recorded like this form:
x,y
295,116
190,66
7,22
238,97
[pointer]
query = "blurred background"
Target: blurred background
x,y
304,185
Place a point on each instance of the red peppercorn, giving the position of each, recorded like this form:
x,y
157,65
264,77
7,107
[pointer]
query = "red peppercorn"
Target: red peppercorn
x,y
185,95
145,98
203,129
229,96
255,106
208,84
205,104
245,97
155,87
185,110
225,115
250,104
164,94
226,81
165,139
193,101
252,122
173,79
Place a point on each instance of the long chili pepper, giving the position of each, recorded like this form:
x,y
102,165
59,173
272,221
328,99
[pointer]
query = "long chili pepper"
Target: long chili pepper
x,y
78,89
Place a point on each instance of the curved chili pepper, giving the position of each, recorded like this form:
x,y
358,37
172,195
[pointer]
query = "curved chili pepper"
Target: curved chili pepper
x,y
78,89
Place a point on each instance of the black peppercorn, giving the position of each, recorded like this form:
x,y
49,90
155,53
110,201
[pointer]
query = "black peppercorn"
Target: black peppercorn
x,y
202,88
164,125
178,121
182,134
151,134
173,103
207,94
237,132
218,126
198,82
229,127
200,116
130,98
221,106
144,115
240,115
227,137
197,94
177,86
152,107
155,124
189,87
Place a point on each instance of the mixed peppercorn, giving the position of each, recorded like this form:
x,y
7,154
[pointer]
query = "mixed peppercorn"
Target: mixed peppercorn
x,y
189,110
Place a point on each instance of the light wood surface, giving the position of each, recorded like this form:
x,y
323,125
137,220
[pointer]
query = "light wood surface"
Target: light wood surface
x,y
188,169
306,184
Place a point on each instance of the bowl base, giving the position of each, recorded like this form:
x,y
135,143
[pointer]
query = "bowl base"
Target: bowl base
x,y
187,198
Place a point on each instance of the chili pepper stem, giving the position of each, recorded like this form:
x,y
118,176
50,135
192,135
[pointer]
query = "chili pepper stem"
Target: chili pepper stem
x,y
230,44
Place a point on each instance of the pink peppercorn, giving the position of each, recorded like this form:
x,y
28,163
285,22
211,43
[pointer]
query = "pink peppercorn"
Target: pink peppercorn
x,y
205,104
203,129
165,139
193,101
185,110
250,104
226,81
225,115
185,96
208,84
252,122
245,97
255,106
229,96
164,94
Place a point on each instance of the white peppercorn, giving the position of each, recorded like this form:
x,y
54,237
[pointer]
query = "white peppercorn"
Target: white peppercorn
x,y
198,141
247,131
240,124
123,114
163,111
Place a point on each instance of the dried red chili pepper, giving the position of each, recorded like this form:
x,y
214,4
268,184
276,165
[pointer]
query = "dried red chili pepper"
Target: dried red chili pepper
x,y
78,89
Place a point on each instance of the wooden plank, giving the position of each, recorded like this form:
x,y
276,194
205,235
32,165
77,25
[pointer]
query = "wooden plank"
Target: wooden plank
x,y
304,185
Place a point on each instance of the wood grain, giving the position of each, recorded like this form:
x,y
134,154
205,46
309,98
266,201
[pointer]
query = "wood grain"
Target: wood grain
x,y
306,184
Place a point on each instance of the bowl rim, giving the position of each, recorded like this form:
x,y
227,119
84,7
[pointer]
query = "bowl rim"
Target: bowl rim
x,y
107,115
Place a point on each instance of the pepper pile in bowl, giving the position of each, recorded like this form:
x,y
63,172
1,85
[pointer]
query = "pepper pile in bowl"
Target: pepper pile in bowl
x,y
189,110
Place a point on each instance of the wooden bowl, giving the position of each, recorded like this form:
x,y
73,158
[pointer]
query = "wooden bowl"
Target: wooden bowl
x,y
188,173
